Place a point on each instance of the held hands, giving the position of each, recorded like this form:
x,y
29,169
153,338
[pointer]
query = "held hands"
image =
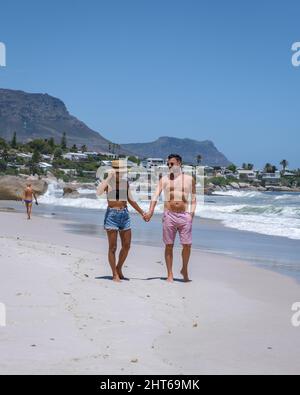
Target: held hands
x,y
147,216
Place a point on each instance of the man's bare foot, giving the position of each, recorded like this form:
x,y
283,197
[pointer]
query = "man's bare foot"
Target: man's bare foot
x,y
120,273
116,279
185,275
170,279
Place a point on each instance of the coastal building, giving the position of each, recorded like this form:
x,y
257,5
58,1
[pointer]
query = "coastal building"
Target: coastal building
x,y
47,157
243,174
153,162
108,155
230,174
288,174
22,155
70,172
209,171
271,178
75,156
131,164
92,154
106,163
45,165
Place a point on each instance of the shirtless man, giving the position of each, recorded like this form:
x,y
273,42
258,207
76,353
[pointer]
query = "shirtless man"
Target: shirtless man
x,y
28,197
180,193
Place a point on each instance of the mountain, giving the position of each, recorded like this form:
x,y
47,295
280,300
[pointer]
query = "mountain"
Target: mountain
x,y
35,115
187,148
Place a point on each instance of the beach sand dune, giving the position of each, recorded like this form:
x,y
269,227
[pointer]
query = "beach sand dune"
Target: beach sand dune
x,y
65,316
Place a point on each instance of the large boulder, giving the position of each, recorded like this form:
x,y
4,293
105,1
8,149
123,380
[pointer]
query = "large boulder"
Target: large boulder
x,y
243,185
70,189
234,185
274,188
12,187
261,189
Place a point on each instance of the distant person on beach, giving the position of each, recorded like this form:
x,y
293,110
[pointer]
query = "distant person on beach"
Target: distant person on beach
x,y
179,209
117,219
28,197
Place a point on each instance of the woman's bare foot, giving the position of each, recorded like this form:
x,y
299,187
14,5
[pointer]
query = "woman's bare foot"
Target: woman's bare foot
x,y
116,278
185,275
120,273
170,279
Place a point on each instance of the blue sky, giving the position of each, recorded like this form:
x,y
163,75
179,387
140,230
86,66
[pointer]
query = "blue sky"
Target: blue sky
x,y
137,70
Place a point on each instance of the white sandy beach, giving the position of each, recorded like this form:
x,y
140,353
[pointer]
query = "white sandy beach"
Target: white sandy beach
x,y
65,316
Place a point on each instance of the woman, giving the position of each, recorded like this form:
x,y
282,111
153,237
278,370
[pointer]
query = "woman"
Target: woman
x,y
117,219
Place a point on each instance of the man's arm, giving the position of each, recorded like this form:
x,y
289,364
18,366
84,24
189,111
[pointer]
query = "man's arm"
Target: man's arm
x,y
154,200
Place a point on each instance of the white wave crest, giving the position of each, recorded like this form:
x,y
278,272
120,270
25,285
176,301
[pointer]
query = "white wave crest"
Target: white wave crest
x,y
270,219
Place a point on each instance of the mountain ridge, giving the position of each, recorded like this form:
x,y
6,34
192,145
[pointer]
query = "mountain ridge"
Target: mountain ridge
x,y
39,115
188,148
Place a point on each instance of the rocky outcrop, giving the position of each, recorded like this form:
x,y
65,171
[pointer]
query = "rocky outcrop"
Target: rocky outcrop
x,y
71,191
11,187
187,148
274,188
35,115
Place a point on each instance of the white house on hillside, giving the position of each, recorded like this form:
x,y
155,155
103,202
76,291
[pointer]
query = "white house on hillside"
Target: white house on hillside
x,y
108,155
45,165
271,177
246,174
150,162
75,156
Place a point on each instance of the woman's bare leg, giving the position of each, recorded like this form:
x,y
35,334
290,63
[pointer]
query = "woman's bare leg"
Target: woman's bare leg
x,y
126,242
112,236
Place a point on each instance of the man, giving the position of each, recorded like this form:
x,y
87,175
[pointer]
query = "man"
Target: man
x,y
28,199
179,210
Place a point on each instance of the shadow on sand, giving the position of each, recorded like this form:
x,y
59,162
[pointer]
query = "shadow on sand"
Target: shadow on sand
x,y
179,280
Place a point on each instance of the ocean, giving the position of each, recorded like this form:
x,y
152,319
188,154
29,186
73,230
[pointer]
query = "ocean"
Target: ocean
x,y
268,213
260,227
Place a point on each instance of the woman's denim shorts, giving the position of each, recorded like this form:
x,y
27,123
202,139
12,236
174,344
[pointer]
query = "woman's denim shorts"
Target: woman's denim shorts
x,y
117,219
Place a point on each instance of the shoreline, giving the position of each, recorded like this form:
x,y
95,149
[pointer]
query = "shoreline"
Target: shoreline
x,y
64,316
275,253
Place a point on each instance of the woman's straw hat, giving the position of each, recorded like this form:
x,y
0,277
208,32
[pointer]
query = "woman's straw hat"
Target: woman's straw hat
x,y
119,165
